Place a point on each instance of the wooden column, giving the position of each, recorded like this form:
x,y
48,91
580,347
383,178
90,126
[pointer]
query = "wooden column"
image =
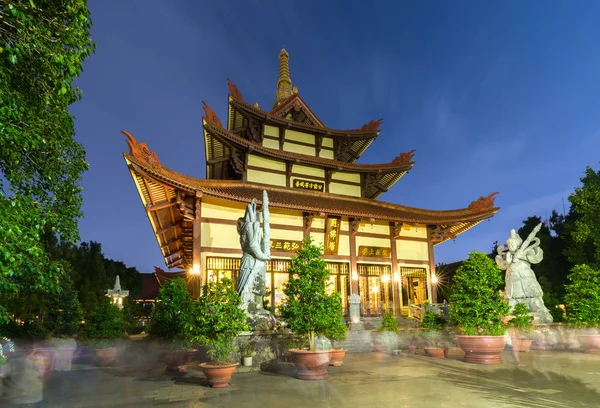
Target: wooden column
x,y
196,275
431,266
307,217
353,229
394,233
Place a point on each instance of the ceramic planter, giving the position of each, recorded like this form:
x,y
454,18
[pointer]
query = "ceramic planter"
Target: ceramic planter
x,y
336,357
436,352
311,365
524,345
106,356
218,376
482,349
411,350
177,361
589,342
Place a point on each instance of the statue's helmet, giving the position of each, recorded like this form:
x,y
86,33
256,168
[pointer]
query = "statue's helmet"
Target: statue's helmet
x,y
514,240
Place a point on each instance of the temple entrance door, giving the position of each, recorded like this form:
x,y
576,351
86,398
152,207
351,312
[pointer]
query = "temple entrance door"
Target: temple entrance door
x,y
413,287
418,293
375,289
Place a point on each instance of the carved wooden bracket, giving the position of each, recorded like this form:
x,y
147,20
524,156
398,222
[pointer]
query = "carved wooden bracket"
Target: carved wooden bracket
x,y
288,169
368,181
198,209
237,160
354,225
255,130
439,233
308,219
396,229
318,144
328,177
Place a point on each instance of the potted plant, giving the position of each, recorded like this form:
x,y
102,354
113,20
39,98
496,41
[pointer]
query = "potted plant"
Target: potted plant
x,y
432,334
216,321
521,321
388,340
105,326
582,302
171,313
247,352
309,310
336,332
477,307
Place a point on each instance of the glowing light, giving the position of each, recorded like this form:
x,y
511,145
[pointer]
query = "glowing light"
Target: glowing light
x,y
354,276
375,289
434,279
195,270
396,277
385,278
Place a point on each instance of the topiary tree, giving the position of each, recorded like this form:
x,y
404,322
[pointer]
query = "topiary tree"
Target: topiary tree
x,y
476,304
521,318
308,309
582,300
217,320
388,323
171,314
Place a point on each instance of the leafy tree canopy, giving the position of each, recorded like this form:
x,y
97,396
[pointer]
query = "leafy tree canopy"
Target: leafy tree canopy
x,y
172,312
43,44
585,204
583,297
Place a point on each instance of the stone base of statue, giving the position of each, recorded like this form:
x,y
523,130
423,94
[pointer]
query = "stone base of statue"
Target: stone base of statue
x,y
259,319
541,315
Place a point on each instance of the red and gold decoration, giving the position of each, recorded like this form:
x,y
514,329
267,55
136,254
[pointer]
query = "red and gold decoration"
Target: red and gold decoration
x,y
308,185
374,252
332,235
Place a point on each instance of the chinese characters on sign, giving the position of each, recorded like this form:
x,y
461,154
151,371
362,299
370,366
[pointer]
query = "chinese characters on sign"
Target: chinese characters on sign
x,y
375,252
285,245
332,235
308,185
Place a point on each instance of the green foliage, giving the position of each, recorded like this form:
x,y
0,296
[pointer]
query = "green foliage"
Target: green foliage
x,y
217,319
585,202
64,311
476,305
131,313
433,321
42,47
172,313
105,324
583,297
521,319
388,323
308,309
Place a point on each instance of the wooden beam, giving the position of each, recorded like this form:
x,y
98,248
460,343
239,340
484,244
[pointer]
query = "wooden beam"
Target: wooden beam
x,y
166,229
395,272
160,206
431,266
307,220
353,267
168,244
197,245
175,263
176,252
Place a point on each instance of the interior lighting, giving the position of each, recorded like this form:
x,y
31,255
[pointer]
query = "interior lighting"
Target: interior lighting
x,y
354,276
434,279
375,289
195,270
396,277
385,278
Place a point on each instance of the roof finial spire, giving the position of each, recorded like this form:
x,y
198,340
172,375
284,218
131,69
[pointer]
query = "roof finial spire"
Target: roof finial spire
x,y
284,82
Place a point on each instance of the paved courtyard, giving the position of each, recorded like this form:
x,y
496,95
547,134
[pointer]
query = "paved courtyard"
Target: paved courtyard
x,y
548,379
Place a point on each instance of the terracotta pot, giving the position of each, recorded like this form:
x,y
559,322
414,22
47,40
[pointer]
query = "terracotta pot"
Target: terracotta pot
x,y
436,352
218,376
482,349
411,349
589,342
177,361
106,356
336,357
311,365
524,345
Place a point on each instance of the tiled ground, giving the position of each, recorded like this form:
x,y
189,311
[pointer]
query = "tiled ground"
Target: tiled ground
x,y
549,379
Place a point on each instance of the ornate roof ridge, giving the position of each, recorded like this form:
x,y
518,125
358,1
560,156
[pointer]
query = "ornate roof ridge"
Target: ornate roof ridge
x,y
401,163
365,130
210,186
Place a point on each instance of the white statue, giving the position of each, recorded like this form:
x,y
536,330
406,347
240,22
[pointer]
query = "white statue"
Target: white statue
x,y
256,252
522,286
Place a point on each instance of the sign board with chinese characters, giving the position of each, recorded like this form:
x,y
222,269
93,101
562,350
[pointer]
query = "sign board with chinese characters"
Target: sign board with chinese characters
x,y
308,185
332,235
374,252
285,245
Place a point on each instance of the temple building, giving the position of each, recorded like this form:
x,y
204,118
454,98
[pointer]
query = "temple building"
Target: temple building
x,y
381,251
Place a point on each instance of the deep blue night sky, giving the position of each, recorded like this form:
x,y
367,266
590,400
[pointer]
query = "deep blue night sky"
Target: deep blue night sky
x,y
493,96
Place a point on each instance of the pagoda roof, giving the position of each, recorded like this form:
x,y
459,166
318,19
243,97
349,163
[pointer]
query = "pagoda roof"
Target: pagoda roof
x,y
295,102
160,186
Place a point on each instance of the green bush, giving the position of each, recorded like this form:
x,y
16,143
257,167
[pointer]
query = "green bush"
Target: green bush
x,y
582,300
65,312
171,314
217,320
521,319
476,305
388,323
308,309
105,325
432,321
